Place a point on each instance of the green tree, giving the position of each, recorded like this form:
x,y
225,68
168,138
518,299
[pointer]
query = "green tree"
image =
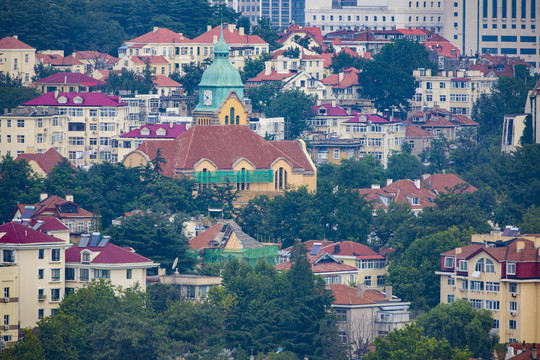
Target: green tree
x,y
28,348
128,80
531,221
263,95
265,31
42,71
344,60
387,221
462,326
403,165
409,344
294,105
191,78
254,66
12,93
387,86
528,132
60,180
406,55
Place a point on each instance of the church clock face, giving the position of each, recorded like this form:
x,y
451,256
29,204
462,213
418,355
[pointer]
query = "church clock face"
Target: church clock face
x,y
207,97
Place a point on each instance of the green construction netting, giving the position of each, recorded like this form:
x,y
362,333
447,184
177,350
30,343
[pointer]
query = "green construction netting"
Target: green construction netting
x,y
224,176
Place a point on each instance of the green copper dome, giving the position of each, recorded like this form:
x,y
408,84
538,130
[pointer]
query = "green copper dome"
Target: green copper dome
x,y
220,77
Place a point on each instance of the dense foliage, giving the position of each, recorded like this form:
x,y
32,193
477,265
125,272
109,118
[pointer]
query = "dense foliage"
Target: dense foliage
x,y
13,93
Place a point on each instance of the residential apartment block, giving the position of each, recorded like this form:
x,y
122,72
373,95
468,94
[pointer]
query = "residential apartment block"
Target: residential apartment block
x,y
533,107
455,91
84,127
333,15
440,122
498,273
505,27
17,58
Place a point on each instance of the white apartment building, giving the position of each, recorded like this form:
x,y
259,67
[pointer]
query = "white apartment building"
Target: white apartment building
x,y
455,91
84,127
502,27
375,14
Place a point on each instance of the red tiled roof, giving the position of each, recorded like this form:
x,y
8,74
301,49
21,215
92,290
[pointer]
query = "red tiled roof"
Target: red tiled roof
x,y
14,233
46,161
213,142
49,224
413,31
108,254
350,248
446,183
231,36
319,267
94,56
443,48
415,131
398,191
308,245
376,119
57,60
165,81
90,99
202,240
9,42
273,76
150,59
68,78
51,204
160,36
171,132
346,295
501,254
314,32
330,110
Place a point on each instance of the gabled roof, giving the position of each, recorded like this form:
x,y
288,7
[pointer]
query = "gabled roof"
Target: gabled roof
x,y
321,263
367,118
400,191
108,254
213,142
346,295
89,99
165,81
57,60
139,59
231,37
170,132
313,32
443,183
331,110
53,204
49,224
94,56
10,42
272,76
351,248
529,253
160,36
218,235
46,161
14,233
413,131
443,48
68,78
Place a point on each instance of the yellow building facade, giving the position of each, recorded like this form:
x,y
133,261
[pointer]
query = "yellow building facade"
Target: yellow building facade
x,y
17,59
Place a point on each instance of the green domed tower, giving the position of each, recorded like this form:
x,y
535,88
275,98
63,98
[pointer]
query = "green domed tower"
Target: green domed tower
x,y
221,91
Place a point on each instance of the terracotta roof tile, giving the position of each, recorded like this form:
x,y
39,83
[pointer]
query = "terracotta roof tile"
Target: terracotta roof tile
x,y
68,78
350,248
10,42
108,254
272,76
346,295
46,161
446,183
202,240
160,36
314,32
165,81
171,132
14,233
412,131
51,204
150,59
231,36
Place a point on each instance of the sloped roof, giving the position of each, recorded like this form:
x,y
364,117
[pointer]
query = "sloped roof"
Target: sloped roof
x,y
10,42
68,78
57,60
318,266
351,248
46,161
413,131
399,191
310,243
139,59
272,76
314,32
14,233
443,48
204,239
108,254
49,224
52,203
171,132
446,183
165,81
231,36
331,110
374,118
213,142
89,99
501,254
160,36
346,295
94,55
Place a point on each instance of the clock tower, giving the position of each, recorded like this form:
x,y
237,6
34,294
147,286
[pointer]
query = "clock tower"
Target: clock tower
x,y
221,91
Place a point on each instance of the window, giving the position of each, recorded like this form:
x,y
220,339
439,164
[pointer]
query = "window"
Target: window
x,y
513,306
477,304
6,292
55,274
495,323
479,265
451,281
41,253
342,337
102,274
20,123
463,266
450,298
55,254
464,284
9,123
190,291
128,274
511,268
512,324
490,266
41,273
380,280
336,154
367,280
70,274
442,98
493,286
40,313
8,256
492,305
55,295
86,256
84,275
336,279
6,319
341,315
477,285
9,138
512,287
20,139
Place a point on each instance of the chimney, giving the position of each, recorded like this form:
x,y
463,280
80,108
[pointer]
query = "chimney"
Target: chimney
x,y
215,39
162,271
171,125
56,94
360,291
520,246
16,37
231,27
208,27
389,181
458,250
241,30
388,292
69,197
375,186
417,183
267,67
340,77
43,196
155,28
333,103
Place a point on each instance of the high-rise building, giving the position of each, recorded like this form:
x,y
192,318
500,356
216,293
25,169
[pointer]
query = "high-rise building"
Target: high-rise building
x,y
284,12
503,27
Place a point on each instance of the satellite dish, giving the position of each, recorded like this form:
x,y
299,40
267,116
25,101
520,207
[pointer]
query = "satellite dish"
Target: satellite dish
x,y
175,263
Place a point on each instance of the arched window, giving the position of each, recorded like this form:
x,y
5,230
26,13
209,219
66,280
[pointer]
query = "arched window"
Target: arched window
x,y
237,120
280,179
490,266
232,115
204,178
479,265
241,180
226,119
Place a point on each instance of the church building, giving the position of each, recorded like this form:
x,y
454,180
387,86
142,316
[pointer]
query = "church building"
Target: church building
x,y
220,148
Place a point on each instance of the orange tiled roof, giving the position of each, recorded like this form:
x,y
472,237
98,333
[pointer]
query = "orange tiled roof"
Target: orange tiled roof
x,y
10,42
46,161
231,36
165,81
346,295
446,183
160,36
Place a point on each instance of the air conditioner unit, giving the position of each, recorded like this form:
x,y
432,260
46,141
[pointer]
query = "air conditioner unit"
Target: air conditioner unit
x,y
6,327
513,313
42,297
6,300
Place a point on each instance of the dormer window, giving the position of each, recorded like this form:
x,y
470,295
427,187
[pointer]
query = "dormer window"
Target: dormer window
x,y
78,100
62,100
362,118
322,111
449,262
145,132
161,132
85,256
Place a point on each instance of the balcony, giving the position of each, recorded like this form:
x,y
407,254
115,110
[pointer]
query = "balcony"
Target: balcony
x,y
42,297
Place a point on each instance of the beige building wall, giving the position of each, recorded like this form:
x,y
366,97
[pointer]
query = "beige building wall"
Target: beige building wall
x,y
19,63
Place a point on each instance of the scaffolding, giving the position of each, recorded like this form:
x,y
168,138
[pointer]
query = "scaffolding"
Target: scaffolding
x,y
231,176
252,257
